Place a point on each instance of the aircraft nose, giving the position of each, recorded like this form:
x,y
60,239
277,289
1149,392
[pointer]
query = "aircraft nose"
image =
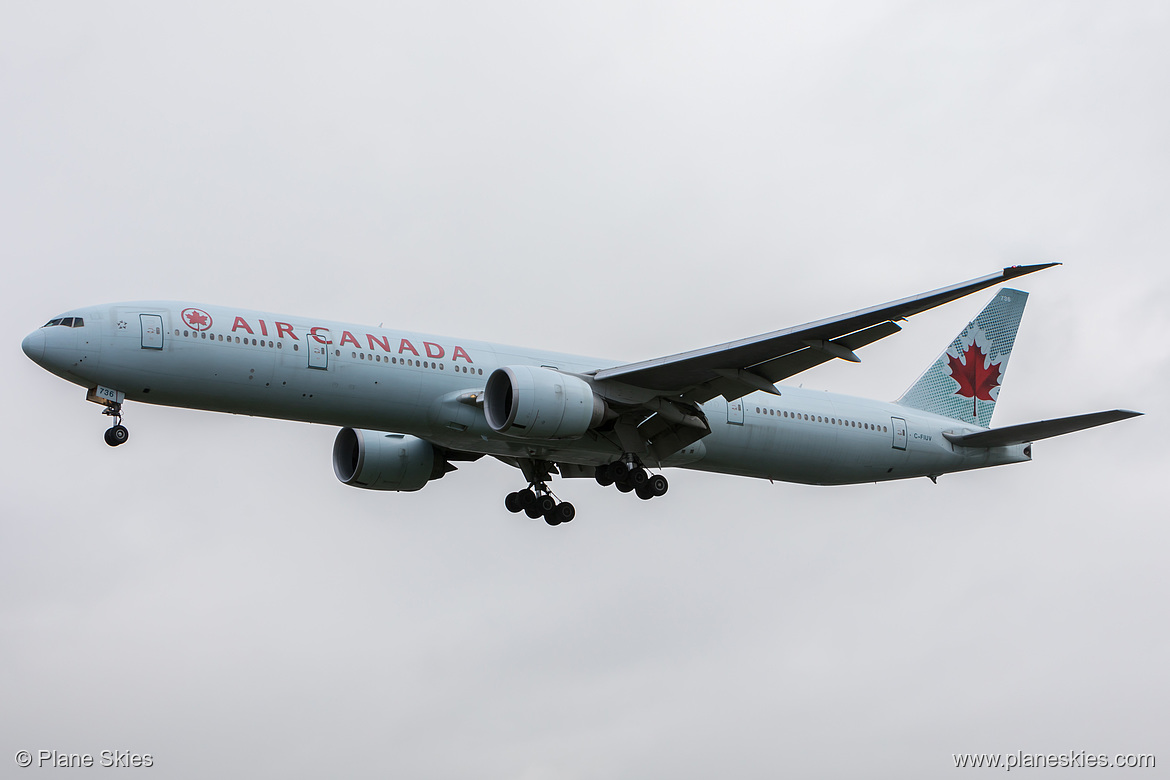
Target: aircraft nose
x,y
34,345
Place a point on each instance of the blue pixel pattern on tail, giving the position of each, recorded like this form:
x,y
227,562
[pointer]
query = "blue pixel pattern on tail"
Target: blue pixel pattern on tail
x,y
964,382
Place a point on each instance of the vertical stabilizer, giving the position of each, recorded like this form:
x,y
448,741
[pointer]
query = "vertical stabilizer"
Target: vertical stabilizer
x,y
964,382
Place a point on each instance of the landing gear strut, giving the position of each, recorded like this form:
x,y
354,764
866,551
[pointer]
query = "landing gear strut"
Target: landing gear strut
x,y
537,501
629,475
116,434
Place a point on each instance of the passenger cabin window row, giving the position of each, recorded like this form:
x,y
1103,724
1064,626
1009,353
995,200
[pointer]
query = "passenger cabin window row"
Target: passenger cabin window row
x,y
388,359
67,322
195,334
410,362
821,419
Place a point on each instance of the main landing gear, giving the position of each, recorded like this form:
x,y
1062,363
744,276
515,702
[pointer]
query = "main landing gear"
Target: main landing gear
x,y
116,434
537,501
629,476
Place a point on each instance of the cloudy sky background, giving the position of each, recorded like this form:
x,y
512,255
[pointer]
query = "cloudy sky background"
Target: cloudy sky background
x,y
607,179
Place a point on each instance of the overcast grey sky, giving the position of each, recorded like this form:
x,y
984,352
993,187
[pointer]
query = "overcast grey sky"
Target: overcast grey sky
x,y
620,179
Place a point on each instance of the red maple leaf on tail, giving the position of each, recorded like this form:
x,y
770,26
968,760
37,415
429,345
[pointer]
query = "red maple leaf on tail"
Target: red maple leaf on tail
x,y
975,381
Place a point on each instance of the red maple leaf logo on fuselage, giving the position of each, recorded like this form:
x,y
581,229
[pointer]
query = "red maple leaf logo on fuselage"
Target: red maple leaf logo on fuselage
x,y
976,375
197,318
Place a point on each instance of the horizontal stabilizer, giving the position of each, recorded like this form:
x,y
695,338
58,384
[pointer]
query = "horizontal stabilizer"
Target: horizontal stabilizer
x,y
1034,431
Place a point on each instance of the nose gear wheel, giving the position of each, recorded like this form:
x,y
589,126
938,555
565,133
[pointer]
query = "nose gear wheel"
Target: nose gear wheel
x,y
116,434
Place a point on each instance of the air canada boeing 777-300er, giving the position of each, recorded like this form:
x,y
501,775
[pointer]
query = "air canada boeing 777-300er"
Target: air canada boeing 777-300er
x,y
412,405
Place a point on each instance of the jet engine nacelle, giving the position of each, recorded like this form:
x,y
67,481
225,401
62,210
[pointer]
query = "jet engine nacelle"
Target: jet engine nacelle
x,y
540,403
375,460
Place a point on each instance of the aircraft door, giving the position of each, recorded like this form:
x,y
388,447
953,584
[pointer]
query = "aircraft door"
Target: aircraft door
x,y
318,350
735,412
898,426
152,331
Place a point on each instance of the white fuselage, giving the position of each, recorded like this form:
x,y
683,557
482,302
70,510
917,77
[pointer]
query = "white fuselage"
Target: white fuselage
x,y
295,368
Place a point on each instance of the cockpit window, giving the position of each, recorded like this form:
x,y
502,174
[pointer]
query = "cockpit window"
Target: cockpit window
x,y
51,323
67,322
78,322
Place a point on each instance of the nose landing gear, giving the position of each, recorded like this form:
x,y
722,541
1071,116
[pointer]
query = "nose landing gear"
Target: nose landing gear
x,y
116,434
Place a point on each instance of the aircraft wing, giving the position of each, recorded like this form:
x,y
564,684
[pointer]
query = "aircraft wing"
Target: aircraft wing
x,y
740,367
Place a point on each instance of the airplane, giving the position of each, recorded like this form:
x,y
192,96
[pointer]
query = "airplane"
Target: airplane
x,y
410,406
